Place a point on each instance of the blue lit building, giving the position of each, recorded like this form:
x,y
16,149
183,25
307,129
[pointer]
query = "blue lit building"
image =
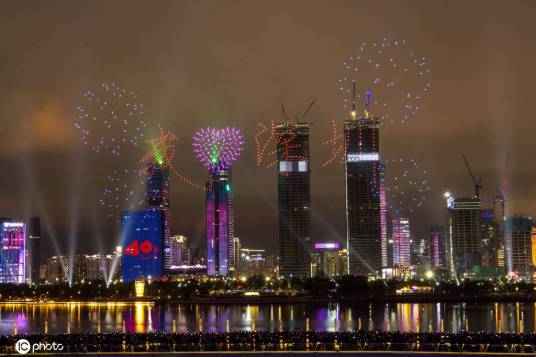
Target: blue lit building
x,y
142,236
12,253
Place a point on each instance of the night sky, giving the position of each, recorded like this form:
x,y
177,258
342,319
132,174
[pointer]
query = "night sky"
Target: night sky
x,y
232,63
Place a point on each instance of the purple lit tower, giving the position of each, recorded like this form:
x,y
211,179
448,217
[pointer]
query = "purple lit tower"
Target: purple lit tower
x,y
216,149
383,220
13,245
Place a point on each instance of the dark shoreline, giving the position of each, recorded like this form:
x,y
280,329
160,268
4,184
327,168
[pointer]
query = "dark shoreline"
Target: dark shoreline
x,y
308,299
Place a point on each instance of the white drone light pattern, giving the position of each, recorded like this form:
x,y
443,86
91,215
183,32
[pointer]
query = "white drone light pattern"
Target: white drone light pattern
x,y
397,78
111,119
124,189
406,185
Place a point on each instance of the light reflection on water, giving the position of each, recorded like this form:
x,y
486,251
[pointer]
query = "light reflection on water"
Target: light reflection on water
x,y
139,317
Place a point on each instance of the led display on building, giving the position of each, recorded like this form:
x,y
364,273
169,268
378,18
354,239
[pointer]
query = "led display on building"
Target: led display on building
x,y
12,254
142,234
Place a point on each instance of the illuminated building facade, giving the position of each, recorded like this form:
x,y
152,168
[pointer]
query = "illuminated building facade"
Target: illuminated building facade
x,y
219,242
179,251
142,241
34,248
331,260
236,253
401,242
464,235
489,238
383,221
438,247
363,197
518,244
157,199
294,198
533,245
253,262
12,254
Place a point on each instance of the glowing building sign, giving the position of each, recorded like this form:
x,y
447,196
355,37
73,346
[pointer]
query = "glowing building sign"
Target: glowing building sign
x,y
373,156
12,257
327,245
142,234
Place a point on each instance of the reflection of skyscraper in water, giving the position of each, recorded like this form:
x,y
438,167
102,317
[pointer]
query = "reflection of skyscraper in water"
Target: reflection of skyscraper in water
x,y
294,198
366,254
157,199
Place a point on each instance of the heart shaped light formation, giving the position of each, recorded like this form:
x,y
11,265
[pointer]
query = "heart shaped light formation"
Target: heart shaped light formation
x,y
216,149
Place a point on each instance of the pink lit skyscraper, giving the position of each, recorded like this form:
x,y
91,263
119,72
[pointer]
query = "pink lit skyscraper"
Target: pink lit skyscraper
x,y
383,219
401,242
12,263
218,219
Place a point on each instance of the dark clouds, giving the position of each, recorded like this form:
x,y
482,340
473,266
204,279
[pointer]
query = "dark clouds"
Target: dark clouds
x,y
232,63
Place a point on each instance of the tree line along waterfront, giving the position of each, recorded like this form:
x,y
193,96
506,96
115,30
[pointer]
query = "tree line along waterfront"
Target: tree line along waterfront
x,y
261,288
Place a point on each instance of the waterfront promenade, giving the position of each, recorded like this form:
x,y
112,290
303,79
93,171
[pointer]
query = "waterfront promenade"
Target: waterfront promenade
x,y
297,341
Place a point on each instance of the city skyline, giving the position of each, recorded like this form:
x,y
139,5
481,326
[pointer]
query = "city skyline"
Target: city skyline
x,y
175,90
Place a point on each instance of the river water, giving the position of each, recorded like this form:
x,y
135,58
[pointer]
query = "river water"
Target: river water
x,y
142,317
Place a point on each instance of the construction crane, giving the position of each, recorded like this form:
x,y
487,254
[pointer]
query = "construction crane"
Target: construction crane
x,y
477,181
298,117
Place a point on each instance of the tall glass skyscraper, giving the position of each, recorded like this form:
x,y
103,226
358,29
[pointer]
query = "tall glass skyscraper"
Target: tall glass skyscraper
x,y
157,199
219,220
438,247
34,247
294,199
518,244
363,196
401,243
464,235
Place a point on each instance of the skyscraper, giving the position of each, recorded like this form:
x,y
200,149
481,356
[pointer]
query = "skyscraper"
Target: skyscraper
x,y
142,240
438,247
34,246
180,251
294,198
383,222
363,196
401,242
464,235
157,199
12,253
518,245
489,238
219,243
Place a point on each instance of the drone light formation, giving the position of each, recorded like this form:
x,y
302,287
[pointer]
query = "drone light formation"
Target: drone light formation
x,y
216,149
162,152
110,119
407,185
122,190
397,77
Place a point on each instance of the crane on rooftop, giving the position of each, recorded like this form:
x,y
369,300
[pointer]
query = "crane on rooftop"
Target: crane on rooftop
x,y
477,181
